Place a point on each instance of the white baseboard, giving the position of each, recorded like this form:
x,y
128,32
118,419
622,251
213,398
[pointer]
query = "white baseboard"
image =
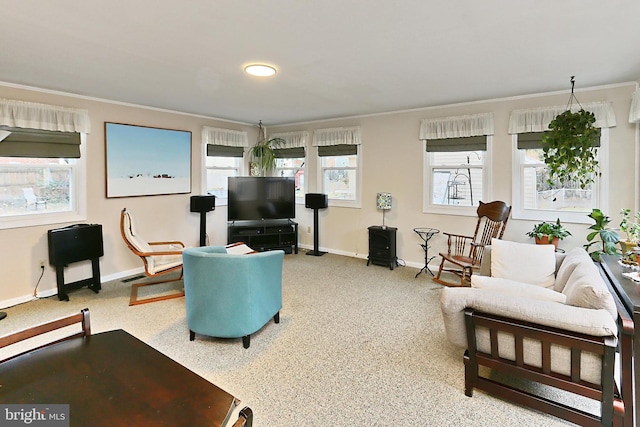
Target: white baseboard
x,y
53,291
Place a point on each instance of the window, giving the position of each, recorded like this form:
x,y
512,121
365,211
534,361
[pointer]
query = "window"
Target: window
x,y
340,176
339,150
219,169
456,178
42,166
223,158
40,190
292,167
456,157
291,159
535,198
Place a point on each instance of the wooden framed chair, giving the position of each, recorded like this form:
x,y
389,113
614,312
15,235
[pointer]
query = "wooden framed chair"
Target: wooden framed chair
x,y
165,258
81,318
465,252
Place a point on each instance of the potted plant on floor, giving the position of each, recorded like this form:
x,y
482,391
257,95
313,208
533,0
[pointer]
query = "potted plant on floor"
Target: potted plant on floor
x,y
546,233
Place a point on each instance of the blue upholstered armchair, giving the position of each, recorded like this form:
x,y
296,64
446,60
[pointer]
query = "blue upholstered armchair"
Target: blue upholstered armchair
x,y
231,296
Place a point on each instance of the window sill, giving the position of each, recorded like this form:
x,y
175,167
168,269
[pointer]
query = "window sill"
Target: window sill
x,y
35,220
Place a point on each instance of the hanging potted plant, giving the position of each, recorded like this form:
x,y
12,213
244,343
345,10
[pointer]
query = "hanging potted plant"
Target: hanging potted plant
x,y
262,158
570,146
546,233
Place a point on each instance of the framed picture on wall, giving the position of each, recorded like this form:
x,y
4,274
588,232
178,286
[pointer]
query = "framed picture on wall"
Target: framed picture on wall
x,y
146,161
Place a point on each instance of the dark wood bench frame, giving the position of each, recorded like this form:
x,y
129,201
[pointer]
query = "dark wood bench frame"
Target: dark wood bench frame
x,y
616,400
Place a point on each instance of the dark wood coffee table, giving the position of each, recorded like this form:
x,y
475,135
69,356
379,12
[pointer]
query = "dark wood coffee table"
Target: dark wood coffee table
x,y
113,378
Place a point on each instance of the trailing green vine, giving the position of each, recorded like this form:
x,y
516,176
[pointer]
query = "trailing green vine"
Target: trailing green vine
x,y
570,148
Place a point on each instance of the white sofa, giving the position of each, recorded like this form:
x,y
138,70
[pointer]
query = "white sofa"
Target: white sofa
x,y
544,316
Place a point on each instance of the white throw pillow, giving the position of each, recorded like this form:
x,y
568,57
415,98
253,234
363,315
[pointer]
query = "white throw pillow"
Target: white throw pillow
x,y
573,259
520,289
523,262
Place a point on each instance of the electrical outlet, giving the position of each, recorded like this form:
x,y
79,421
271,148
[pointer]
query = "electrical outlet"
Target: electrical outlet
x,y
41,264
308,229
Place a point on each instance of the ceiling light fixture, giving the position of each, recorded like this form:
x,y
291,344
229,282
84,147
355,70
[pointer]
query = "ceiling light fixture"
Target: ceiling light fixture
x,y
260,70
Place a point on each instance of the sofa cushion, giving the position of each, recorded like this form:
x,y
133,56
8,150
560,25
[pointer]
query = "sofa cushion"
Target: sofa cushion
x,y
585,288
453,301
573,258
534,264
524,290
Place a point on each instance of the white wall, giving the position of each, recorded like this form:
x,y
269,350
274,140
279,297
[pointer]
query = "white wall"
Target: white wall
x,y
392,161
157,217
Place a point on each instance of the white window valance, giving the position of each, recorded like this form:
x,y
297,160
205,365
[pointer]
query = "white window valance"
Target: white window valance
x,y
227,137
634,113
32,115
337,136
538,119
293,139
457,126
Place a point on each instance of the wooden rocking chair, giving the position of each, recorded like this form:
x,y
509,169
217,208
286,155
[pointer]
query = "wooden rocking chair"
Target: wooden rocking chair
x,y
166,259
465,252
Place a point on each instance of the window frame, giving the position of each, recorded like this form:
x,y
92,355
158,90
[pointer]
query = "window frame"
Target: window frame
x,y
601,186
299,200
240,162
78,194
357,203
427,191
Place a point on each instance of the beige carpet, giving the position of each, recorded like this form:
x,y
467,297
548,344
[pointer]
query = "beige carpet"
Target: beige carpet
x,y
356,346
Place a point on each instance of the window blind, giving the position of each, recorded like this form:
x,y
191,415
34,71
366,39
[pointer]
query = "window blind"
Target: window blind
x,y
470,143
224,151
337,150
37,143
533,140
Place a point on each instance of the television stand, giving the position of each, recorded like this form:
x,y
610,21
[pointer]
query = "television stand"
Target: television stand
x,y
265,235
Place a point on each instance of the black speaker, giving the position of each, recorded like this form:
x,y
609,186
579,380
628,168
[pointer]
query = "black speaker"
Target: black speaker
x,y
316,201
203,203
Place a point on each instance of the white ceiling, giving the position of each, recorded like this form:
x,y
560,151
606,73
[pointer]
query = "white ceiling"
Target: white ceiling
x,y
334,58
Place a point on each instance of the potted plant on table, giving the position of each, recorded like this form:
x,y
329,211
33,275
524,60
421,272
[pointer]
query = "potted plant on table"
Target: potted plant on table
x,y
608,237
546,233
629,246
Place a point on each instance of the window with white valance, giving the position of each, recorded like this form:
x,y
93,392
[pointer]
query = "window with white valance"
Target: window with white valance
x,y
455,162
31,115
339,153
457,126
227,137
538,119
41,163
634,113
533,197
291,159
337,136
223,157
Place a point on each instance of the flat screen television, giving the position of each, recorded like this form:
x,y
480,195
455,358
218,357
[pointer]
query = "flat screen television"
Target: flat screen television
x,y
259,198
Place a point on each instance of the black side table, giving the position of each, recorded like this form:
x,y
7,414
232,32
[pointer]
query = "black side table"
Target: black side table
x,y
426,234
382,246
